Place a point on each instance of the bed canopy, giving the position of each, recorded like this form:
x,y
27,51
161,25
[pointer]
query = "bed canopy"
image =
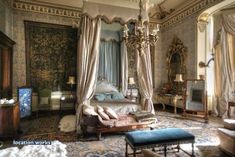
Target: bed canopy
x,y
88,55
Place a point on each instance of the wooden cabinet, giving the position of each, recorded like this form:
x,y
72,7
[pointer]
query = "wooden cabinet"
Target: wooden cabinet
x,y
6,55
9,120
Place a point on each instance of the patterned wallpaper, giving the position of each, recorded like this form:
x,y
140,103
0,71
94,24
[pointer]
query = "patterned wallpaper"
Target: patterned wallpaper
x,y
6,18
186,32
19,58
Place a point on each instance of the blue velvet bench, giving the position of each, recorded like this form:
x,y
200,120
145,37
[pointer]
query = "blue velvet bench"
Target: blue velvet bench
x,y
138,140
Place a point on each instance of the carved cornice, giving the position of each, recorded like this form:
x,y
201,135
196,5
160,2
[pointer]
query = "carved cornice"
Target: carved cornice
x,y
187,11
72,13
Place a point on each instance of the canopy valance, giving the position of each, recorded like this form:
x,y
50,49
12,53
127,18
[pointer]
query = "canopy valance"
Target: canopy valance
x,y
112,13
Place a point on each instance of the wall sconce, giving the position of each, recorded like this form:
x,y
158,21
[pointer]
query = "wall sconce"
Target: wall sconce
x,y
204,65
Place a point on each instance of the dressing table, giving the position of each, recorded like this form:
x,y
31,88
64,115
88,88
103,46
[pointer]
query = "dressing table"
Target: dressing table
x,y
171,93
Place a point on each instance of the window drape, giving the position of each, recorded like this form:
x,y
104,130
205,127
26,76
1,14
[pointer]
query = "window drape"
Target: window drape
x,y
87,62
225,64
109,61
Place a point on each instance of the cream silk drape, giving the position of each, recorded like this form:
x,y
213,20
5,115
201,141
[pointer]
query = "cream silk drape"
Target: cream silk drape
x,y
87,62
225,64
144,74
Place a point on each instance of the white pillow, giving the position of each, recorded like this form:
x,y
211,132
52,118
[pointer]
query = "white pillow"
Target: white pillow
x,y
103,115
105,87
99,108
110,113
89,110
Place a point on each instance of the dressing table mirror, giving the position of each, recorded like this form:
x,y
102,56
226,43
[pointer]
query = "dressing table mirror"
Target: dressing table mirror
x,y
176,67
195,99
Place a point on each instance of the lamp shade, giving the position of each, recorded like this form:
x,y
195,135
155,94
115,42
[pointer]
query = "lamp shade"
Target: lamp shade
x,y
178,78
71,80
131,80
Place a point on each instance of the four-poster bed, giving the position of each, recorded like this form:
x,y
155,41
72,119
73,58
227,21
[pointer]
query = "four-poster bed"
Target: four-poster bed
x,y
88,56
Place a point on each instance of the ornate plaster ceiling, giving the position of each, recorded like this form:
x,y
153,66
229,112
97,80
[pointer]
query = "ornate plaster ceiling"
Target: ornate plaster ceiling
x,y
157,8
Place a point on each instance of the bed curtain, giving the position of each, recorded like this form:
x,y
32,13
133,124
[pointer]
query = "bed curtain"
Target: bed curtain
x,y
144,74
88,61
88,56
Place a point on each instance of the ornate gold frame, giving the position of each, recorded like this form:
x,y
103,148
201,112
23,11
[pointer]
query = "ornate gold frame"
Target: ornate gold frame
x,y
176,46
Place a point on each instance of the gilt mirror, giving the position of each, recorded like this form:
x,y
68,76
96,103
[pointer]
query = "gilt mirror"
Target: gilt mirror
x,y
176,57
195,99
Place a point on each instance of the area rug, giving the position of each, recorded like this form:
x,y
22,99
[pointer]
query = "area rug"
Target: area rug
x,y
46,128
206,145
113,145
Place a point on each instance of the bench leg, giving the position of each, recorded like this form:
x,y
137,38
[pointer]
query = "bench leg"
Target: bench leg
x,y
134,152
178,147
193,149
126,149
165,151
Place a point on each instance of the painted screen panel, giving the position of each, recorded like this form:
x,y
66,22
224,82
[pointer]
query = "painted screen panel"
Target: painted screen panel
x,y
25,101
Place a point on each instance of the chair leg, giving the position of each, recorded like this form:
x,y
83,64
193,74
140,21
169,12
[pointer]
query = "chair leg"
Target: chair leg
x,y
126,150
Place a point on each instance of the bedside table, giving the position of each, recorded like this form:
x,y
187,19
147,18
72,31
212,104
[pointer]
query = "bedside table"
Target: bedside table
x,y
67,100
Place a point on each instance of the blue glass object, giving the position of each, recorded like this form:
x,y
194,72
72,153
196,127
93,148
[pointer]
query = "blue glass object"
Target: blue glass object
x,y
25,100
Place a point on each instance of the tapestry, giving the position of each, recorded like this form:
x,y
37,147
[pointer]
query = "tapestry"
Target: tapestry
x,y
51,55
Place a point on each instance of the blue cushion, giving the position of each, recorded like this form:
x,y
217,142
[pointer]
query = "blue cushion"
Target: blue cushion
x,y
108,97
117,96
100,97
158,136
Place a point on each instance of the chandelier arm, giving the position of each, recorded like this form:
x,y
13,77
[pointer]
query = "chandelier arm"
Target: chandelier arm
x,y
140,11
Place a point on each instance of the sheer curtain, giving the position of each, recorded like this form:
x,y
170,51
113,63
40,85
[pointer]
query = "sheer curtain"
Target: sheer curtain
x,y
88,60
225,63
109,61
124,68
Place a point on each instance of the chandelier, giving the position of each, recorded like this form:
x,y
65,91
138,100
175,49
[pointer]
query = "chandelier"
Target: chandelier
x,y
139,38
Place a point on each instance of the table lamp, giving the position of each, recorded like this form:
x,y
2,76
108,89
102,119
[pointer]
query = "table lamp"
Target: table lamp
x,y
178,79
71,82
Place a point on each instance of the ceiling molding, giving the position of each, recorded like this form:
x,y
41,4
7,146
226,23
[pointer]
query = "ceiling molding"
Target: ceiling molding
x,y
46,9
187,11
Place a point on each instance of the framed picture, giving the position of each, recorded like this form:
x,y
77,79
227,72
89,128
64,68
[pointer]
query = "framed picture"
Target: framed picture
x,y
25,101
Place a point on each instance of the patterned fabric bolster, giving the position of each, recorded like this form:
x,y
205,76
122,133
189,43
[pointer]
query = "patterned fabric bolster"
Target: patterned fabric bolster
x,y
159,136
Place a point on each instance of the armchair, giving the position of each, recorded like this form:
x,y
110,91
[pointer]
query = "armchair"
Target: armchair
x,y
44,100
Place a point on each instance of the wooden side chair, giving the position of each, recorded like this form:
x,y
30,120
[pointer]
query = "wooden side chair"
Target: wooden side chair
x,y
44,100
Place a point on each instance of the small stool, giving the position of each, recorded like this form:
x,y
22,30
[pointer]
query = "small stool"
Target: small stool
x,y
138,140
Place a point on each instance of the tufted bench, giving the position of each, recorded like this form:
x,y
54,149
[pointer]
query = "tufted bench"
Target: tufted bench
x,y
138,140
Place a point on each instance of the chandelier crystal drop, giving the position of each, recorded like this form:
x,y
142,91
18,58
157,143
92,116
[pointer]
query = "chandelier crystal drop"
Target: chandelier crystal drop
x,y
140,38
